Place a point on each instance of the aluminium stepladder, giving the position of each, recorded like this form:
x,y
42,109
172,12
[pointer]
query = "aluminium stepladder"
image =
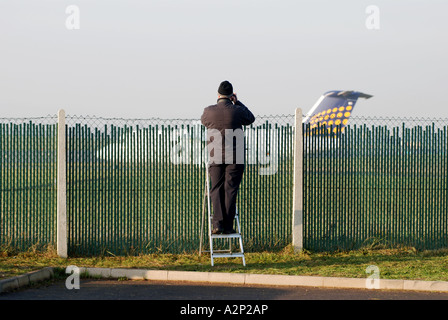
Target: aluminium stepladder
x,y
219,253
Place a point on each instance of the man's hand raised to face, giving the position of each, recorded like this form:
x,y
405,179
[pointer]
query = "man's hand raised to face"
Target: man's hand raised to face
x,y
234,98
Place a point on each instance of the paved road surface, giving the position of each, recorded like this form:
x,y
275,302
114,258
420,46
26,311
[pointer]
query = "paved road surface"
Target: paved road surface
x,y
92,289
172,300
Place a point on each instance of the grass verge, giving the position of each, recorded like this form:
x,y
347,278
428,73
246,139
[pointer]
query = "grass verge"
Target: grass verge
x,y
398,263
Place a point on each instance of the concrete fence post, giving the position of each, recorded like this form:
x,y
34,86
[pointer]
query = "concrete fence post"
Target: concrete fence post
x,y
61,236
297,216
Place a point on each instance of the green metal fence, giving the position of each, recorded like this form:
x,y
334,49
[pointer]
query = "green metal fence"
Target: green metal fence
x,y
138,186
376,184
28,183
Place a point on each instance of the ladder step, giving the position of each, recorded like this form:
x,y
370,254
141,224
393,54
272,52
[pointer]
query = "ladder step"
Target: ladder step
x,y
216,251
228,255
226,236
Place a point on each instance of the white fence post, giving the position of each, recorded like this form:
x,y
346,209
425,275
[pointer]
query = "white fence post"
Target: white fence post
x,y
297,203
61,237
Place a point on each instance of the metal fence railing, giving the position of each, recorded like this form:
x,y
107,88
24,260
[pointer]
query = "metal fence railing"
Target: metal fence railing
x,y
28,182
376,184
137,185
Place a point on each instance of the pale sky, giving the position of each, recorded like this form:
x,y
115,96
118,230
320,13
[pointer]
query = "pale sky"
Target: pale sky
x,y
166,58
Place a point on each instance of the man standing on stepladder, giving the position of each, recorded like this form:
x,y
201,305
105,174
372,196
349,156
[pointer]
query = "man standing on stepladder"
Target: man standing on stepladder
x,y
226,148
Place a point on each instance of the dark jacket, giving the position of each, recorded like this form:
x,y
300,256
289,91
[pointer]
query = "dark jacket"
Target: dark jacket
x,y
226,115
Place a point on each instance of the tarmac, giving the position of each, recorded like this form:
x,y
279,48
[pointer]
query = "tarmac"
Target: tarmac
x,y
229,278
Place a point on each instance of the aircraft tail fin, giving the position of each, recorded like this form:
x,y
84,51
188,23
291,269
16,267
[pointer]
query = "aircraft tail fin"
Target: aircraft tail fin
x,y
333,109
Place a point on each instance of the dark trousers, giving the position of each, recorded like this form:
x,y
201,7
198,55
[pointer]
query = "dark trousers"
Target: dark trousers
x,y
225,182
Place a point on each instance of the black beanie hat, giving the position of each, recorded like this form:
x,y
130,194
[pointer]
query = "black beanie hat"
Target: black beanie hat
x,y
225,88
